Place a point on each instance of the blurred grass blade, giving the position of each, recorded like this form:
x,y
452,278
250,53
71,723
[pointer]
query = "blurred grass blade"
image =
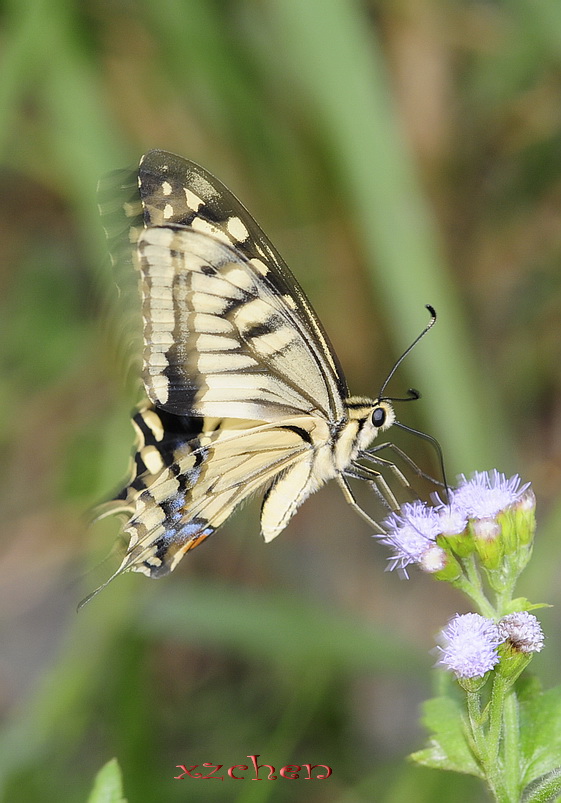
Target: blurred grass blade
x,y
55,714
272,627
338,66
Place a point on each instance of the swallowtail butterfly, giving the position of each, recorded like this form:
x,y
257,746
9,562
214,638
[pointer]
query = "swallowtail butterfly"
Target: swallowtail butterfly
x,y
244,390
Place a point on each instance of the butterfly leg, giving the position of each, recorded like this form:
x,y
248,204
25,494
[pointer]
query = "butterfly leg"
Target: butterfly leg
x,y
349,497
406,459
380,461
376,481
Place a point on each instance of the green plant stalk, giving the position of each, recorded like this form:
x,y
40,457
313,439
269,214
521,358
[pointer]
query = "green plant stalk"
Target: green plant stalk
x,y
472,586
482,747
496,708
476,724
511,742
487,742
504,596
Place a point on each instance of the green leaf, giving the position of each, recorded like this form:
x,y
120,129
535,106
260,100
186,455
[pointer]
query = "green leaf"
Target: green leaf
x,y
523,604
448,747
545,790
108,784
528,687
540,734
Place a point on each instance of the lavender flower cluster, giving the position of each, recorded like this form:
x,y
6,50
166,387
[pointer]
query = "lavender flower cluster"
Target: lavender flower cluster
x,y
412,531
469,642
489,517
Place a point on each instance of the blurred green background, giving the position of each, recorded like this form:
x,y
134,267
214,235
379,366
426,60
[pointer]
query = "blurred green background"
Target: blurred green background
x,y
397,153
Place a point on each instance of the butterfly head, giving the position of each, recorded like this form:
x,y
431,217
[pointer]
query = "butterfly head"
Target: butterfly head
x,y
366,419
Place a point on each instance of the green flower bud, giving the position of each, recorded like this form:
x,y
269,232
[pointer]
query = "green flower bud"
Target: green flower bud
x,y
460,543
488,542
439,561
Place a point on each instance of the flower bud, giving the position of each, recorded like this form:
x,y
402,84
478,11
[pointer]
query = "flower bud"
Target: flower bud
x,y
440,562
522,636
487,540
519,522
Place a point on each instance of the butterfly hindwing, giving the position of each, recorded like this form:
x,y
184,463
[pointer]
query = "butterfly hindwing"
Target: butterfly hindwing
x,y
159,437
185,485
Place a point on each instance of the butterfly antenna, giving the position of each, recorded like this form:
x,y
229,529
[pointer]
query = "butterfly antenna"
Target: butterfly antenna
x,y
413,394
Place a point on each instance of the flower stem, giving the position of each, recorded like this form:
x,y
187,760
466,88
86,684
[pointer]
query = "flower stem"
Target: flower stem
x,y
487,744
472,586
504,597
475,721
496,706
511,751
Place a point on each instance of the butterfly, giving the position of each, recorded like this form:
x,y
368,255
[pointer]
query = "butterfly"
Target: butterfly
x,y
244,391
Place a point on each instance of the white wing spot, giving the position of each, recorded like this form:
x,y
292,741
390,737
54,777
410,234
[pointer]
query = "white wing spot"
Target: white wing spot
x,y
220,362
132,209
259,265
166,188
193,200
208,342
152,518
209,304
273,342
162,339
241,278
160,387
168,211
237,229
252,313
205,323
205,227
289,301
154,422
214,285
152,459
160,237
158,360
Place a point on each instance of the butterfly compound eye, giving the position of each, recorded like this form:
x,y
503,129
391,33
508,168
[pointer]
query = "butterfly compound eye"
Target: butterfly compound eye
x,y
378,416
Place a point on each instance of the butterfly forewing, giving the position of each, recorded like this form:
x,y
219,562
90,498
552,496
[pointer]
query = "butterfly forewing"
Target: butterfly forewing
x,y
174,191
219,340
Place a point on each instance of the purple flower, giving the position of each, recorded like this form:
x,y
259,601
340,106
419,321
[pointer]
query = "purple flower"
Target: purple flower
x,y
453,520
486,494
469,645
523,631
410,532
